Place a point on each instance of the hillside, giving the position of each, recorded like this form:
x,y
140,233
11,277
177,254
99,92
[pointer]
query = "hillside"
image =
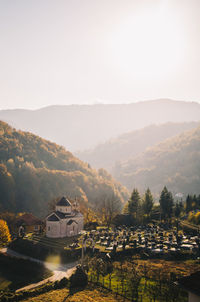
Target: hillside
x,y
33,171
131,144
81,127
174,163
86,295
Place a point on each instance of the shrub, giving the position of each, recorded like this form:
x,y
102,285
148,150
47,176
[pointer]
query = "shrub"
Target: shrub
x,y
79,278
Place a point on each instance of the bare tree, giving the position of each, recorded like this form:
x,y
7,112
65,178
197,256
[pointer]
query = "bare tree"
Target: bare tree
x,y
98,267
122,275
109,206
134,280
52,203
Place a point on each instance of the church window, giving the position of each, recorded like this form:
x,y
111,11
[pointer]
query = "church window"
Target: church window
x,y
49,228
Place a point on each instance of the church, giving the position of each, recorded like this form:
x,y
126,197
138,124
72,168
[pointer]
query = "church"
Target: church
x,y
65,221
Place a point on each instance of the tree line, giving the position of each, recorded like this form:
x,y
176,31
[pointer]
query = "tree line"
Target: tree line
x,y
143,208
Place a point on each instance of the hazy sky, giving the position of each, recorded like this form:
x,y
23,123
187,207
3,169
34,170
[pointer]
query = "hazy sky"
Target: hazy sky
x,y
87,51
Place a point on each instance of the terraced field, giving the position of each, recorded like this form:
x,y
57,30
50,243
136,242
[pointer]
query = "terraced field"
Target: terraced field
x,y
58,243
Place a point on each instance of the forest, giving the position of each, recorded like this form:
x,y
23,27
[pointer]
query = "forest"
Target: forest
x,y
132,143
174,162
34,171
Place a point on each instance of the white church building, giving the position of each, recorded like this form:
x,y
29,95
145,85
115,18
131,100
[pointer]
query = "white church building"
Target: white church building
x,y
65,221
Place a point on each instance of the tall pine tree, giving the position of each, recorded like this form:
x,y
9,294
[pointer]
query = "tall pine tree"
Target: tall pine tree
x,y
188,204
134,203
166,203
147,202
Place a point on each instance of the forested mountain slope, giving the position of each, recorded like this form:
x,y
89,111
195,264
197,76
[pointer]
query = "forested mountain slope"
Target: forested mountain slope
x,y
174,163
33,171
130,144
80,127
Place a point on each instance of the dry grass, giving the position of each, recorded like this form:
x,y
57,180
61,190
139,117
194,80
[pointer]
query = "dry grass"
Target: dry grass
x,y
177,267
52,296
86,295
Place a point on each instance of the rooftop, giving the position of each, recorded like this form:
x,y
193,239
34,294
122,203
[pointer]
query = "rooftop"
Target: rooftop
x,y
28,219
64,202
191,283
53,217
71,221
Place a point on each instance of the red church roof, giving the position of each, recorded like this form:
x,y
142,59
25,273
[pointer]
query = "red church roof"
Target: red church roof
x,y
28,219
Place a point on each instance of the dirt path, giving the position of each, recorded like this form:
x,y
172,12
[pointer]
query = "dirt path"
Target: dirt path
x,y
59,270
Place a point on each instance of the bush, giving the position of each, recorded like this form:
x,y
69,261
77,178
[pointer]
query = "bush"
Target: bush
x,y
197,218
79,278
61,284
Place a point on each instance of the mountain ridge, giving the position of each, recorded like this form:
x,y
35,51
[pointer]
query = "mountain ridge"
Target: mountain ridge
x,y
79,127
132,143
174,162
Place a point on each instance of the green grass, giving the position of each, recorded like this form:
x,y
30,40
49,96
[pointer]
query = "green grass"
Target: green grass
x,y
16,273
179,268
116,287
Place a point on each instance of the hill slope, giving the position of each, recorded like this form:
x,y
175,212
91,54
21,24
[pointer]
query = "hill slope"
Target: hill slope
x,y
33,171
130,144
174,163
79,127
89,294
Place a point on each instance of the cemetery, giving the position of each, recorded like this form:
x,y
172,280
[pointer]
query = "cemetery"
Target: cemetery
x,y
130,261
151,240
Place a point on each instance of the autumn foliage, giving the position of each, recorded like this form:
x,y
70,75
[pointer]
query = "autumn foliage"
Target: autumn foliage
x,y
4,233
34,171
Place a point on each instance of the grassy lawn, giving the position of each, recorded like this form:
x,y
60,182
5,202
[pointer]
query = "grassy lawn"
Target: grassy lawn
x,y
16,273
86,295
116,287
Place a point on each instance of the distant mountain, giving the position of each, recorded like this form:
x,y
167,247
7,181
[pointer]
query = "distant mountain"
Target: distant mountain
x,y
130,144
174,163
33,171
80,127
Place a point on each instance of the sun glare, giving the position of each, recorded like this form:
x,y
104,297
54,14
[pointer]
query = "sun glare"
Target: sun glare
x,y
148,44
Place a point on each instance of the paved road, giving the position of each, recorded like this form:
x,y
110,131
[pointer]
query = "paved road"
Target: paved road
x,y
59,270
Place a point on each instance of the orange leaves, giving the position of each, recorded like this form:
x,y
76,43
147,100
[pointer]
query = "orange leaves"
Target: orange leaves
x,y
4,233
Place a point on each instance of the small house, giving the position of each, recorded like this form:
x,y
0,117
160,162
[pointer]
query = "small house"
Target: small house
x,y
30,223
192,285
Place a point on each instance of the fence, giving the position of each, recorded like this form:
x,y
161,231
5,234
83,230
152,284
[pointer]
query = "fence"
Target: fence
x,y
118,290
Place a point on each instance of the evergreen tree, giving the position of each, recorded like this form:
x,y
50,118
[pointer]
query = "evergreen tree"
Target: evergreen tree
x,y
134,202
147,202
188,204
194,202
166,203
198,202
178,209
